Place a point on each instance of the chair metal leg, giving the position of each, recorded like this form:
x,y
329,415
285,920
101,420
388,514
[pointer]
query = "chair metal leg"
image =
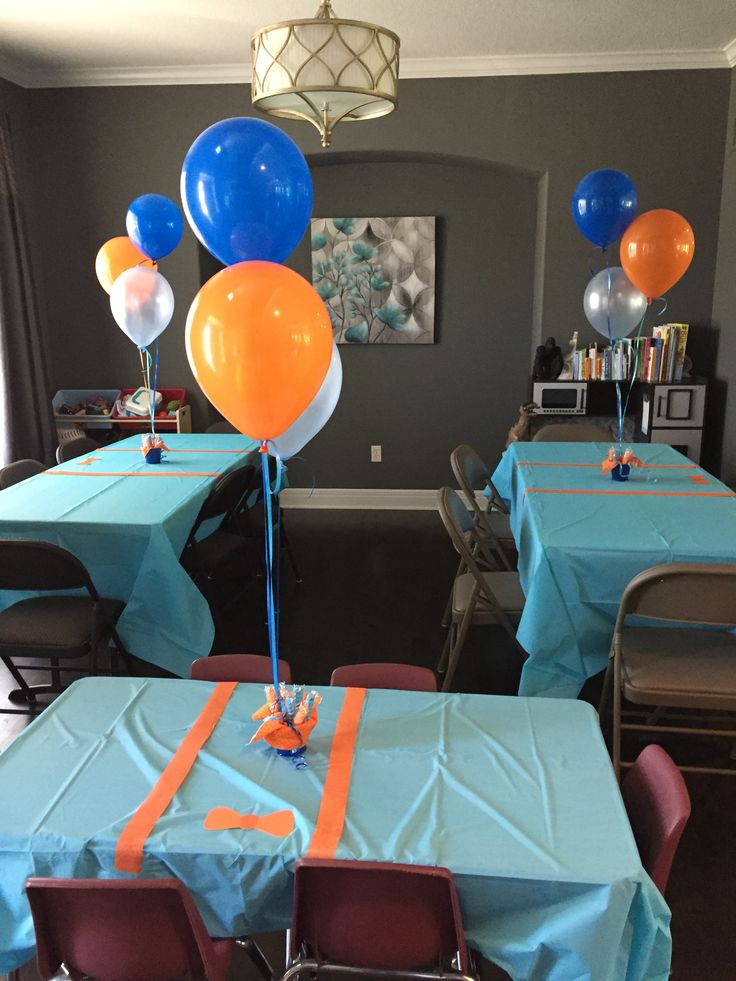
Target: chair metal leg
x,y
258,958
616,736
444,656
604,707
447,615
457,647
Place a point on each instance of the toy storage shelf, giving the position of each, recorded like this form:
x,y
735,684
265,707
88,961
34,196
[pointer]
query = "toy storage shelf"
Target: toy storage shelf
x,y
125,425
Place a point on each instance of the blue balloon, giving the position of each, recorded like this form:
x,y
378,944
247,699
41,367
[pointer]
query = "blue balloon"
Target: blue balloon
x,y
604,205
155,225
247,191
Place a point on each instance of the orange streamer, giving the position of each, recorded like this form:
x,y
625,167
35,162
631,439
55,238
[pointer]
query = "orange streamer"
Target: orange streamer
x,y
639,493
129,849
331,817
649,466
127,473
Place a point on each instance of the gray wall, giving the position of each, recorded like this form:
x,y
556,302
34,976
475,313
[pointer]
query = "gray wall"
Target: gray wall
x,y
94,150
723,394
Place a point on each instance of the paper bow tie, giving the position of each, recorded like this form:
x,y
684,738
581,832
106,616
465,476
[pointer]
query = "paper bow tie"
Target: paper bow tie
x,y
278,823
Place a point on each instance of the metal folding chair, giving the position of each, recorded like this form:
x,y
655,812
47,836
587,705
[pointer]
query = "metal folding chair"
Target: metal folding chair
x,y
692,671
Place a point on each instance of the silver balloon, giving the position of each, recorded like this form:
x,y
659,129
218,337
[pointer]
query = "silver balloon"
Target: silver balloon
x,y
315,416
612,304
142,303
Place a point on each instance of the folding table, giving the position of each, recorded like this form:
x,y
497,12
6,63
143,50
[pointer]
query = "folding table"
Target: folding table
x,y
128,522
582,536
516,796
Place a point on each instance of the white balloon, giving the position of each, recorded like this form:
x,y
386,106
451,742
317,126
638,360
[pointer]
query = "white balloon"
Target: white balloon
x,y
612,304
142,303
316,414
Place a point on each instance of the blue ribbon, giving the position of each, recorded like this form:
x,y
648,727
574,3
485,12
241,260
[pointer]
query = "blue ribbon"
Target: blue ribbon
x,y
271,602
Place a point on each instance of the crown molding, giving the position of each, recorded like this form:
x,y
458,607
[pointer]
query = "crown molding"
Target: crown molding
x,y
543,64
730,53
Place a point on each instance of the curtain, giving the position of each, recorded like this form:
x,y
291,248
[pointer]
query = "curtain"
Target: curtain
x,y
26,422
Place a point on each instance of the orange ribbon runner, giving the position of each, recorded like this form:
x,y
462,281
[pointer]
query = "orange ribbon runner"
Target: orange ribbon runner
x,y
649,466
129,849
127,473
637,493
331,817
127,449
277,823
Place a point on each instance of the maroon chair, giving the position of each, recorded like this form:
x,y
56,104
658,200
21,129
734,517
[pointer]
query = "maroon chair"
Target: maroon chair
x,y
401,677
658,804
238,667
137,929
375,916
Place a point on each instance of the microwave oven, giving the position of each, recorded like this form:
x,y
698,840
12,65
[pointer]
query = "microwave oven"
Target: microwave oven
x,y
560,398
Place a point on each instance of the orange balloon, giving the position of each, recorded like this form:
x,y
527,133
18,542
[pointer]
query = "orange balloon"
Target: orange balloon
x,y
656,250
259,340
117,255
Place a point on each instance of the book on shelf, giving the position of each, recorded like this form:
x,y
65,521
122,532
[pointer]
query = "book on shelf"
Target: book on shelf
x,y
659,358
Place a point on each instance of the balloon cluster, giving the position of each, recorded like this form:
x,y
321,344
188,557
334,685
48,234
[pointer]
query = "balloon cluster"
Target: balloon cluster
x,y
655,251
258,336
141,300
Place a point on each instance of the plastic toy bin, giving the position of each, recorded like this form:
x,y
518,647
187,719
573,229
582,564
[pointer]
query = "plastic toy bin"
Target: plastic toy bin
x,y
162,416
75,396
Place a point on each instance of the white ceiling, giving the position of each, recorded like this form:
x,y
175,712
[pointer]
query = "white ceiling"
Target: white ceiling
x,y
109,42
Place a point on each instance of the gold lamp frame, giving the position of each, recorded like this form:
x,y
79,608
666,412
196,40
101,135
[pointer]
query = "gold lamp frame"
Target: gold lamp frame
x,y
327,99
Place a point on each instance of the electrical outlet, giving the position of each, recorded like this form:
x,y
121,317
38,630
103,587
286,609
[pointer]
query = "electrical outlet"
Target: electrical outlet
x,y
376,454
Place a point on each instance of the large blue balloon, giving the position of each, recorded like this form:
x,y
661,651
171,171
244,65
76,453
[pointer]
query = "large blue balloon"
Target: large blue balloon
x,y
155,225
247,191
604,205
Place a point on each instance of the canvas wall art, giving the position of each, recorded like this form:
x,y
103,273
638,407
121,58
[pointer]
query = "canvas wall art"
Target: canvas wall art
x,y
376,277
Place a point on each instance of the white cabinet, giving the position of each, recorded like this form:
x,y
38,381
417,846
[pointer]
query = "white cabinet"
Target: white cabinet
x,y
674,414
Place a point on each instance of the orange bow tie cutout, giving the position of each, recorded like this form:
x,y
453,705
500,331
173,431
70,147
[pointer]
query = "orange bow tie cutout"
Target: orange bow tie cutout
x,y
278,823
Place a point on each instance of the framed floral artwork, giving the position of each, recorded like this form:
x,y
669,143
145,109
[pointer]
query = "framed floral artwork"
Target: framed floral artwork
x,y
376,277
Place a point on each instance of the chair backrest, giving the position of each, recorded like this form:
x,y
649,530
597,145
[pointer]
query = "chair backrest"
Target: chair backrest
x,y
460,527
38,566
238,667
221,427
658,804
472,474
571,432
69,449
682,592
400,677
224,498
377,916
138,929
20,470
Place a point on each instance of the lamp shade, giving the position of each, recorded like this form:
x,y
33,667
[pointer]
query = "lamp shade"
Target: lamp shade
x,y
325,70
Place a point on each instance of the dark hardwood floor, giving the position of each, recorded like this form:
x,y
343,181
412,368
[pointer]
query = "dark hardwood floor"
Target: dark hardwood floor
x,y
374,587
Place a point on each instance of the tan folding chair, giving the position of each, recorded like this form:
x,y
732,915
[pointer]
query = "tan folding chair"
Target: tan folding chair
x,y
491,522
479,597
675,666
570,432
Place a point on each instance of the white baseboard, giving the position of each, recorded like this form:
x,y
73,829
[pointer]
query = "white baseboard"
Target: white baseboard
x,y
362,498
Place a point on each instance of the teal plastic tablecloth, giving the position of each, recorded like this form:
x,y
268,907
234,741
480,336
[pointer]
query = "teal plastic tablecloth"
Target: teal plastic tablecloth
x,y
516,796
129,531
579,547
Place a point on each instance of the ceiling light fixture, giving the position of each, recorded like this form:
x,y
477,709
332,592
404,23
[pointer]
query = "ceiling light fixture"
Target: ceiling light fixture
x,y
325,70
